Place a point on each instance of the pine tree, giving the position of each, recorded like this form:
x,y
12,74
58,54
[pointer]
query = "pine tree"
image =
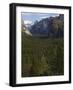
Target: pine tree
x,y
40,66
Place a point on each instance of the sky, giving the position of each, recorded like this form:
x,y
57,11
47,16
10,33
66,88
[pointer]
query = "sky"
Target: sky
x,y
30,18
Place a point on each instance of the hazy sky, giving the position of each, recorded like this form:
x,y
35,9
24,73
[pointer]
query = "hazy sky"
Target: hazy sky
x,y
32,17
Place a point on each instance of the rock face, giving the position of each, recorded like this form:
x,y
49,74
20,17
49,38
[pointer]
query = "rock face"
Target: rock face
x,y
49,27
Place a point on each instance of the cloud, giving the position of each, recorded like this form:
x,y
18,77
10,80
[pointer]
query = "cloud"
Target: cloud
x,y
44,17
48,16
55,15
27,22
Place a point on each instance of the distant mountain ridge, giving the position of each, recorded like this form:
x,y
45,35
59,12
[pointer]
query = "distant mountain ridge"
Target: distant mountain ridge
x,y
49,27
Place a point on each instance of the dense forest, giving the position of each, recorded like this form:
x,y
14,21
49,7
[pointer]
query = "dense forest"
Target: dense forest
x,y
43,52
